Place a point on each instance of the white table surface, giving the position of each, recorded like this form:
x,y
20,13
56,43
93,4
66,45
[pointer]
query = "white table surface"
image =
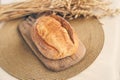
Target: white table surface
x,y
106,66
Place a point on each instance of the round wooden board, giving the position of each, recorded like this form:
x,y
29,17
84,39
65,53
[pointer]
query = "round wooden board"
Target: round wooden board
x,y
18,59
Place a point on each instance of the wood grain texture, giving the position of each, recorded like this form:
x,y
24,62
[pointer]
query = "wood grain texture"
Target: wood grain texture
x,y
18,59
55,65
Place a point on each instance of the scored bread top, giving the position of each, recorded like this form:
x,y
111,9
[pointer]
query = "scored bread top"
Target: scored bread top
x,y
54,37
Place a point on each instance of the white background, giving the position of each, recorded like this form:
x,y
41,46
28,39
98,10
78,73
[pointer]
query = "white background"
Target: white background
x,y
106,66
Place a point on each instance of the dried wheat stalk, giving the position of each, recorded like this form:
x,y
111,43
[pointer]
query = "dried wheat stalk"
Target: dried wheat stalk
x,y
69,9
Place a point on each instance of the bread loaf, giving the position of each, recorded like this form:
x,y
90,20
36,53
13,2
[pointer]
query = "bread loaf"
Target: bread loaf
x,y
54,37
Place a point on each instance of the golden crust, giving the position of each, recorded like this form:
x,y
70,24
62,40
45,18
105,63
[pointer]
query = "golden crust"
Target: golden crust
x,y
54,37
